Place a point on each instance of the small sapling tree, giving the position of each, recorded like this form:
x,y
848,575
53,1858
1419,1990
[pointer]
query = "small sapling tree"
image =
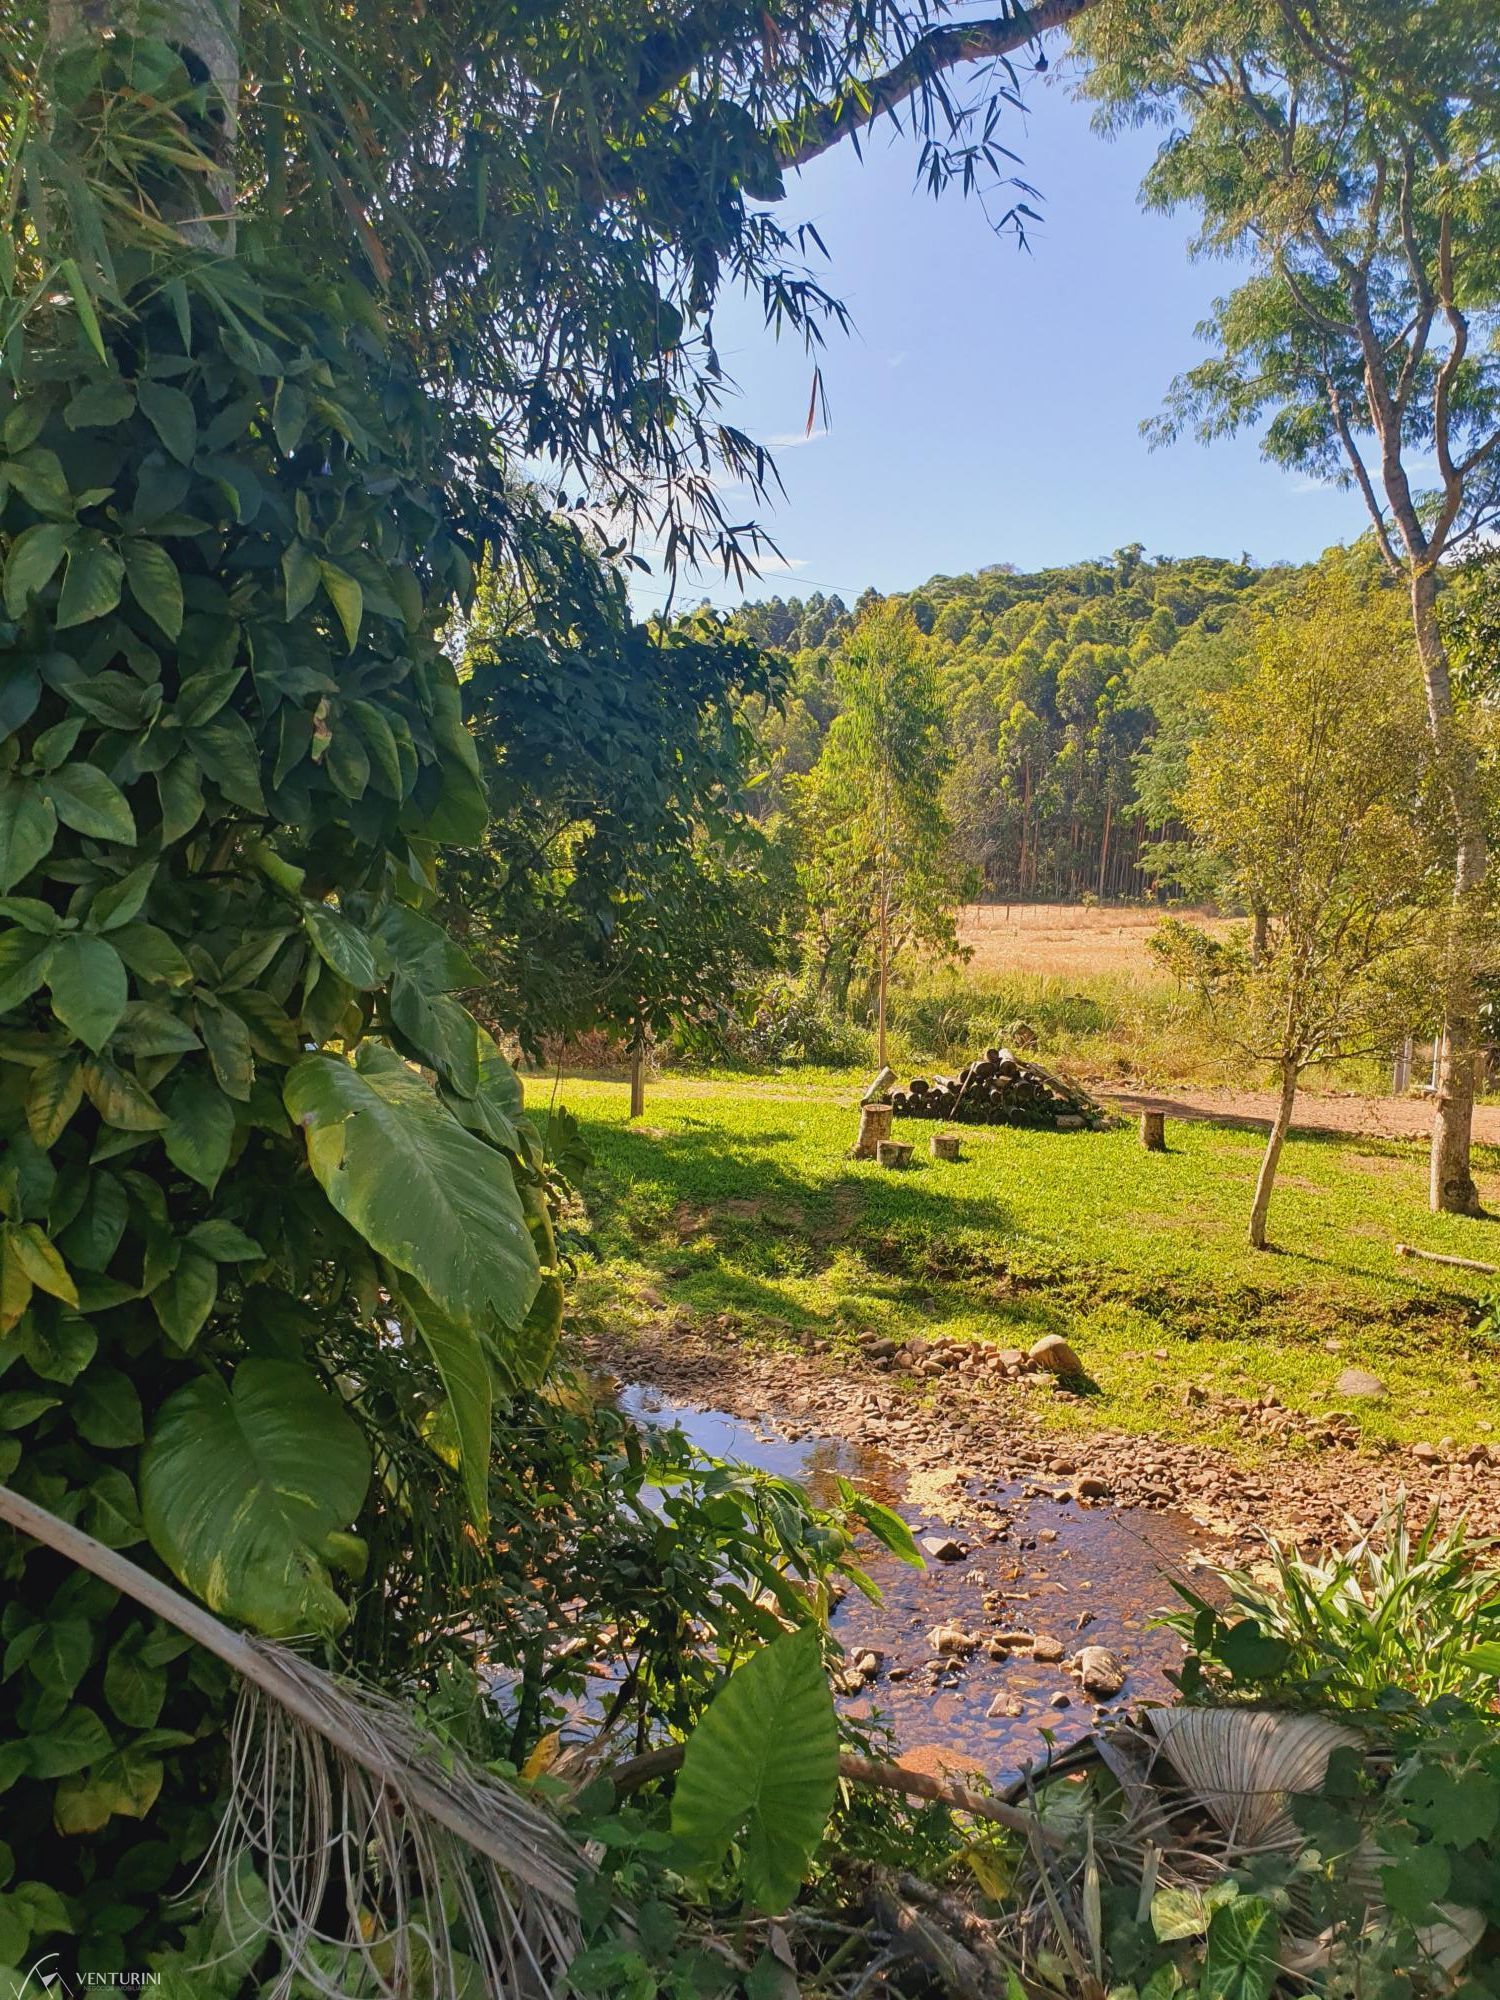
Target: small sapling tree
x,y
1312,786
878,872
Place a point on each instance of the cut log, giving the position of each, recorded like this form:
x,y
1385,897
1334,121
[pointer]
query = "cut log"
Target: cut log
x,y
944,1146
1154,1131
893,1152
874,1126
879,1086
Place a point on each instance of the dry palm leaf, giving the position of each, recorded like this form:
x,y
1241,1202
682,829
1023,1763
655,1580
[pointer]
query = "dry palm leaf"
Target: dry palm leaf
x,y
343,1803
1241,1764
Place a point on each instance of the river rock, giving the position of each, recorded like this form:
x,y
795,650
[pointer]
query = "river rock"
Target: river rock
x,y
1092,1487
1046,1648
1100,1672
1359,1382
1005,1704
944,1548
952,1639
1053,1353
1427,1454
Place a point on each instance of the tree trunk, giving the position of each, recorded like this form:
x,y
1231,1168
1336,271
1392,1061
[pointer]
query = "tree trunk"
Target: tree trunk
x,y
638,1074
885,946
1452,1186
205,34
1267,1177
1259,925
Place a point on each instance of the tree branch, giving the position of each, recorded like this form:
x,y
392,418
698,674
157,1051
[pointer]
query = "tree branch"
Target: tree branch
x,y
940,49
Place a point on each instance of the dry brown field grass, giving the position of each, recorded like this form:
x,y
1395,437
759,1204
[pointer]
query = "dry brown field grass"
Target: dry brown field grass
x,y
1066,941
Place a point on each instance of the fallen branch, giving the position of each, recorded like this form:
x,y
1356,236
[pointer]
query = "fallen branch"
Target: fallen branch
x,y
659,1763
1438,1257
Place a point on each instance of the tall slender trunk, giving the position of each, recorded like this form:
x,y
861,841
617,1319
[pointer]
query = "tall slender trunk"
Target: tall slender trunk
x,y
1266,1179
1109,810
638,1072
885,945
1452,1181
1259,926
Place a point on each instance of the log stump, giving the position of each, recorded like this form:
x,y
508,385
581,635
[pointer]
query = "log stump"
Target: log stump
x,y
874,1125
944,1146
893,1152
1154,1131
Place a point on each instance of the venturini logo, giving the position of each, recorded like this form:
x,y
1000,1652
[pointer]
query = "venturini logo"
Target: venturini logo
x,y
46,1981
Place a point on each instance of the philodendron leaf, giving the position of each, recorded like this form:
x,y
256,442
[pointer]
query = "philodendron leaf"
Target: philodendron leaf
x,y
459,1357
762,1766
1241,1961
425,1194
241,1488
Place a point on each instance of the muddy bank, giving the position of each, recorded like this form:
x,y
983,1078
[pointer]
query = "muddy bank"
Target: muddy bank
x,y
1024,1582
991,1429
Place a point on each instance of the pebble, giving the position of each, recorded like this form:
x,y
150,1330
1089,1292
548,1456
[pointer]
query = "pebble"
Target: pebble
x,y
1046,1648
1361,1384
1060,1700
944,1549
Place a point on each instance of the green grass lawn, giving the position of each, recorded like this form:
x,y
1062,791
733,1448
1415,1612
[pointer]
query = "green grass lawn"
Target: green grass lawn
x,y
736,1199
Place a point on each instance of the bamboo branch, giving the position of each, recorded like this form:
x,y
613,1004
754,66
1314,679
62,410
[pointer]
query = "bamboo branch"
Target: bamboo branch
x,y
940,49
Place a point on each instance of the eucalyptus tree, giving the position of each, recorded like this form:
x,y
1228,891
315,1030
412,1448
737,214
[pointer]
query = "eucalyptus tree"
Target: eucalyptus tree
x,y
1349,149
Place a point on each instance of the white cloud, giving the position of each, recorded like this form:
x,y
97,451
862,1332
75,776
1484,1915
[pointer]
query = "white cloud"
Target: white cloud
x,y
789,440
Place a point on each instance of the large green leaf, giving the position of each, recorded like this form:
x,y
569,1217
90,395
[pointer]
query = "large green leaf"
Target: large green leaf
x,y
763,1765
88,986
28,827
31,564
458,1355
200,1128
154,583
343,946
92,803
242,1488
91,585
438,1203
1241,1961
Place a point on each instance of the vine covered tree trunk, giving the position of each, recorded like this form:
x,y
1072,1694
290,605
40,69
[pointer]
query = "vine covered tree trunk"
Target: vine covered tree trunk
x,y
1452,1187
1266,1179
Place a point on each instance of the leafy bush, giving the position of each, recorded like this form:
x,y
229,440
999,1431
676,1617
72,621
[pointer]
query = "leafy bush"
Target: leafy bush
x,y
1399,1610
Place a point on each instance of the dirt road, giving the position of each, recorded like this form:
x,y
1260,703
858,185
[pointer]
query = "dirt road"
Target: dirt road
x,y
1371,1117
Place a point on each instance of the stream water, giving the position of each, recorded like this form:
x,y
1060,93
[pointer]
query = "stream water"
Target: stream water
x,y
1084,1575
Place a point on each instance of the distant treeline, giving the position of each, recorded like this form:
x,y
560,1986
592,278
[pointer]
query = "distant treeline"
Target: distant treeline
x,y
1072,695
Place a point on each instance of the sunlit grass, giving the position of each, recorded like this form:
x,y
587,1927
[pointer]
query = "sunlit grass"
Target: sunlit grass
x,y
736,1201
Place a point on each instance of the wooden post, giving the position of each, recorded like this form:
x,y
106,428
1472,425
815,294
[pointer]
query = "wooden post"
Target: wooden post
x,y
944,1146
638,1075
893,1153
1154,1131
874,1126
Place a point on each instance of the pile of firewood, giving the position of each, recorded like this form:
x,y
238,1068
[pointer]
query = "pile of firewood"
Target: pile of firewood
x,y
1000,1089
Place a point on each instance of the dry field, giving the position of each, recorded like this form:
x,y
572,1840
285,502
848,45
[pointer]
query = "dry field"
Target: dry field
x,y
1064,941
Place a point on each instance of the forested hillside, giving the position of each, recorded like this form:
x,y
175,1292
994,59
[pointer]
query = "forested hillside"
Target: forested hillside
x,y
1070,696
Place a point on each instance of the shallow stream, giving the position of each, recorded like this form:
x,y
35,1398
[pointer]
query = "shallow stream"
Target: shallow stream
x,y
1081,1574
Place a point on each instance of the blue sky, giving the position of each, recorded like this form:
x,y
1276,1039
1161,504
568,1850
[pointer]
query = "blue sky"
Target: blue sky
x,y
987,406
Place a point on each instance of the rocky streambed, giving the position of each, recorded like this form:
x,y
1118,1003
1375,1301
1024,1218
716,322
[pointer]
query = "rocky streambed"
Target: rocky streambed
x,y
1033,1613
1041,1543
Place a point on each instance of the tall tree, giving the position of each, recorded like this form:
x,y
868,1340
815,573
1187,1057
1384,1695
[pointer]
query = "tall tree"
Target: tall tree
x,y
1304,789
878,871
1350,148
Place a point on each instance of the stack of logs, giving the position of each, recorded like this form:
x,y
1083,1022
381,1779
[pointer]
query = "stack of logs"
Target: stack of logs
x,y
1000,1089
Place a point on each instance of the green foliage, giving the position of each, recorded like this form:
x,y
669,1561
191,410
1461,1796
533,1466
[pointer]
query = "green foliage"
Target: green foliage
x,y
620,886
761,1768
1401,1611
1069,698
876,871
